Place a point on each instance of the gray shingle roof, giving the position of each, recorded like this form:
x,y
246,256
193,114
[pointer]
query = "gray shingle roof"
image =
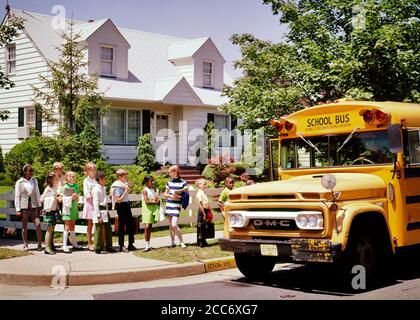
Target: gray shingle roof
x,y
151,74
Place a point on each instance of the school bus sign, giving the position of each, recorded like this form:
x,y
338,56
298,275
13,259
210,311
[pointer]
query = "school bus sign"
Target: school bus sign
x,y
330,122
348,190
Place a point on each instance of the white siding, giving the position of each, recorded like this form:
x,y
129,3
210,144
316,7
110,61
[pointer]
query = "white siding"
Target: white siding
x,y
196,118
186,69
209,52
120,154
29,65
108,35
182,94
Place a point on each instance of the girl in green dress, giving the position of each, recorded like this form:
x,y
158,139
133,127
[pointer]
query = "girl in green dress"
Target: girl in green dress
x,y
70,198
150,210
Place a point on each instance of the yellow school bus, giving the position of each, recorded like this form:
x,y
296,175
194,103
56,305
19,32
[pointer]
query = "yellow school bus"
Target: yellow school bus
x,y
346,189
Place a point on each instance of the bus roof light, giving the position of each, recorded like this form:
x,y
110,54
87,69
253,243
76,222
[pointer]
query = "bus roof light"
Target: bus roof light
x,y
368,116
289,126
380,116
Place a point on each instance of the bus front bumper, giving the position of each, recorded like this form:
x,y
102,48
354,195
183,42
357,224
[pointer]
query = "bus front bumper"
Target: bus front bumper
x,y
300,250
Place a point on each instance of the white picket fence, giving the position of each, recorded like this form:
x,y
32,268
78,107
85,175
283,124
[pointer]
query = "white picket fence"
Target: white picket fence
x,y
12,221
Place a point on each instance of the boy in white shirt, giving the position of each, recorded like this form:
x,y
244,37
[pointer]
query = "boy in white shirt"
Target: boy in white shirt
x,y
100,216
203,213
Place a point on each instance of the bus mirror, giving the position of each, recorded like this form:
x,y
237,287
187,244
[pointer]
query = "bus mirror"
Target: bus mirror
x,y
395,141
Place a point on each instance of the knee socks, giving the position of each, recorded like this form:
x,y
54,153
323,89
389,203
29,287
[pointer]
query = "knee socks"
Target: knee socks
x,y
65,239
73,239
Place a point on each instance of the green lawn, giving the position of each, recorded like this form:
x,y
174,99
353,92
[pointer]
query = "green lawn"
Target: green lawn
x,y
9,253
156,232
190,254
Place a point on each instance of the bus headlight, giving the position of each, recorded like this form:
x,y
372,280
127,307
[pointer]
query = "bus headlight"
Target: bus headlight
x,y
236,220
310,221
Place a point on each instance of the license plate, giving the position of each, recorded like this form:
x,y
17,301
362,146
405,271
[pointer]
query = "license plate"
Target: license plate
x,y
269,250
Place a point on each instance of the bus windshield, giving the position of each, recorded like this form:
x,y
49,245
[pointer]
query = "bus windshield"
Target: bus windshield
x,y
363,148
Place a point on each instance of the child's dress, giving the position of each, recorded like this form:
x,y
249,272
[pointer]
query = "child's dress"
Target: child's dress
x,y
88,185
150,211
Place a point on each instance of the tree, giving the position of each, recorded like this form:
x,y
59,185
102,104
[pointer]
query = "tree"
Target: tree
x,y
1,161
359,49
146,157
69,89
8,31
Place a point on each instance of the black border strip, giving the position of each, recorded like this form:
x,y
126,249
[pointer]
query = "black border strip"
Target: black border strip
x,y
413,226
412,172
412,199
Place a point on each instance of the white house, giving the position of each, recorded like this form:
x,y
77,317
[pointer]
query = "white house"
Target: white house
x,y
151,81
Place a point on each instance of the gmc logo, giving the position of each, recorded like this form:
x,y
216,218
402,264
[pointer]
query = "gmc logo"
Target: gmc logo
x,y
272,223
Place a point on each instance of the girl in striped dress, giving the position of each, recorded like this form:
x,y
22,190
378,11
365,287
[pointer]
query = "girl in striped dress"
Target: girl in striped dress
x,y
173,191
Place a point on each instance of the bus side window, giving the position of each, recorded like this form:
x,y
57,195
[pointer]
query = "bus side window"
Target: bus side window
x,y
413,143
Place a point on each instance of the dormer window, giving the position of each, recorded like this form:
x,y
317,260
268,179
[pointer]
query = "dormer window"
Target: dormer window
x,y
11,59
107,61
208,74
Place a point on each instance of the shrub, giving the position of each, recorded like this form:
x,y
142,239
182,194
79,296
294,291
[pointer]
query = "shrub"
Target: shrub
x,y
208,172
146,156
39,151
74,151
5,180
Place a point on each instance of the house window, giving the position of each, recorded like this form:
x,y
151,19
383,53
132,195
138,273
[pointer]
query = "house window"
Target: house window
x,y
207,74
221,122
120,126
134,126
26,117
30,117
11,59
107,61
113,127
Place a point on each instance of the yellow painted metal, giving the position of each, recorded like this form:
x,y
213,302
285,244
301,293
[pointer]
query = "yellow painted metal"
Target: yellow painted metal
x,y
362,189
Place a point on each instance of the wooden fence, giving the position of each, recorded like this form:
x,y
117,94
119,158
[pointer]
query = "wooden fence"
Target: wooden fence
x,y
12,221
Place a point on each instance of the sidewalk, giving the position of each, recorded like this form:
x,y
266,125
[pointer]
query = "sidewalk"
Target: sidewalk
x,y
87,268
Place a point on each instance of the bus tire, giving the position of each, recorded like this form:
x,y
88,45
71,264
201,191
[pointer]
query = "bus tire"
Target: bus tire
x,y
366,252
254,268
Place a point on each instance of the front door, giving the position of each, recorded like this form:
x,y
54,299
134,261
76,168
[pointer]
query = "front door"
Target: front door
x,y
412,180
164,143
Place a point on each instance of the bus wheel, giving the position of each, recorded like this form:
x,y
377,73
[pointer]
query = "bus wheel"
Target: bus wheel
x,y
254,267
364,255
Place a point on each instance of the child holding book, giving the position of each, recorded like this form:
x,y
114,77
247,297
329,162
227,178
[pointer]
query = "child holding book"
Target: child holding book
x,y
119,195
101,217
88,185
174,189
204,212
69,197
150,210
49,199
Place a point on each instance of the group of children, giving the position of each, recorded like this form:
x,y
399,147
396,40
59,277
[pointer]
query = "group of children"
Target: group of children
x,y
60,200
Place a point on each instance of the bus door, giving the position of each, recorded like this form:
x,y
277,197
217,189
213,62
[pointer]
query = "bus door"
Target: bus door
x,y
412,181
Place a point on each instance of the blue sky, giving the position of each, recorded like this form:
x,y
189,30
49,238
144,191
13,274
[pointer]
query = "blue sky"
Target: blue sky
x,y
184,18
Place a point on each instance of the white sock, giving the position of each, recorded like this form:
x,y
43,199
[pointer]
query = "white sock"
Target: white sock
x,y
73,239
65,239
147,244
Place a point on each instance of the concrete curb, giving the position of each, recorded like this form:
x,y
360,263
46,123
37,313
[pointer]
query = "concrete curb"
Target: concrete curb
x,y
127,276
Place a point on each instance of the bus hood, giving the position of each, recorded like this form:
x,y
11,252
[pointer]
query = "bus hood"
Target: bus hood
x,y
350,186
